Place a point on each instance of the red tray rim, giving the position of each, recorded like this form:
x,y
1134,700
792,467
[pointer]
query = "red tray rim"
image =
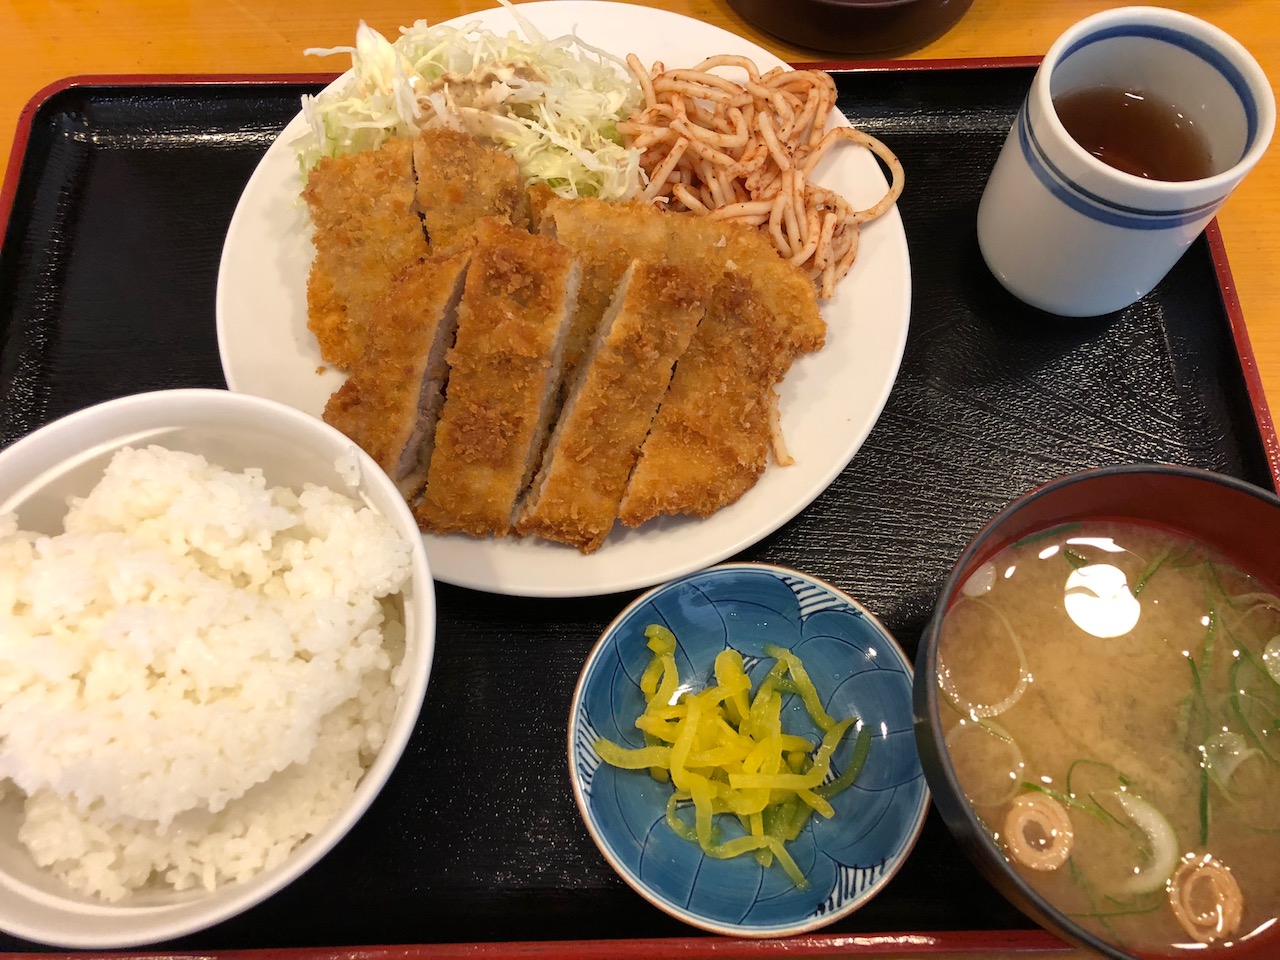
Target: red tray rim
x,y
955,943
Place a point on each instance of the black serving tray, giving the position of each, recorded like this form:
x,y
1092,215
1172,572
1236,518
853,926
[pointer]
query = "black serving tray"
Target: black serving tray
x,y
120,192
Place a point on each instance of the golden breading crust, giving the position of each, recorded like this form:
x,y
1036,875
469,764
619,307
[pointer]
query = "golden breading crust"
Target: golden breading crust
x,y
710,440
366,230
505,366
459,182
608,236
388,406
606,416
537,197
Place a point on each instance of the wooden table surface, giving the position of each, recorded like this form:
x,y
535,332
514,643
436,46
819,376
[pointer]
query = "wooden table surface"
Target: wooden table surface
x,y
42,41
46,40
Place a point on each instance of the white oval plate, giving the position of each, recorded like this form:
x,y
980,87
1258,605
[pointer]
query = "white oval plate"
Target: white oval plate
x,y
829,401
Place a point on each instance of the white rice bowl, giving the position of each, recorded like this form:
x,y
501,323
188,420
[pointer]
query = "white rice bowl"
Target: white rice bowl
x,y
153,787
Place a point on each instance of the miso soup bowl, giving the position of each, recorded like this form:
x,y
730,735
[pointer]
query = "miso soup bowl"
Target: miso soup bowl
x,y
1229,516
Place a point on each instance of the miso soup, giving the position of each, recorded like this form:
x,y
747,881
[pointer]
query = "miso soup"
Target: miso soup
x,y
1111,696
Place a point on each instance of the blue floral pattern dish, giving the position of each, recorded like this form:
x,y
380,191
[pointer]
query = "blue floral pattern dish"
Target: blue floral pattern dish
x,y
857,668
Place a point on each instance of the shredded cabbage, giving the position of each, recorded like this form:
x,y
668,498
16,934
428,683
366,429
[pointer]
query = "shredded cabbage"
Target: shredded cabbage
x,y
552,103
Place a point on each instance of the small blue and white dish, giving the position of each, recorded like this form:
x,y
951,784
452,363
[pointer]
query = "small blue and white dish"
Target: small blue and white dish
x,y
857,668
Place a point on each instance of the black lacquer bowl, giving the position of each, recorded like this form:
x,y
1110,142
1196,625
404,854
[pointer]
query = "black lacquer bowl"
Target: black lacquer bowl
x,y
855,26
1230,517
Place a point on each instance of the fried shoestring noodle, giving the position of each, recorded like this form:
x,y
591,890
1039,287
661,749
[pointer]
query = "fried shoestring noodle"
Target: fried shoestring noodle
x,y
747,151
724,751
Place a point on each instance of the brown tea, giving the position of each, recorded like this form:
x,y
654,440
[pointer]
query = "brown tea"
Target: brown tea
x,y
1136,132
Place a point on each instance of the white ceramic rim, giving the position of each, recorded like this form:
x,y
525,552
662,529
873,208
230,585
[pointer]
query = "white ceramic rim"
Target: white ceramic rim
x,y
829,401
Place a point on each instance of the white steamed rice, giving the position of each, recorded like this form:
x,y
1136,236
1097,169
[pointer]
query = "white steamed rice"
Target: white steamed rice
x,y
195,674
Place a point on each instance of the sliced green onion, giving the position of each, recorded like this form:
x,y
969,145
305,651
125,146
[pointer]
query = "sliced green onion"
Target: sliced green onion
x,y
1161,838
1257,706
1200,709
1203,806
1065,799
1077,560
1124,910
982,711
1108,783
1223,754
1271,657
1101,916
1211,631
989,728
1152,569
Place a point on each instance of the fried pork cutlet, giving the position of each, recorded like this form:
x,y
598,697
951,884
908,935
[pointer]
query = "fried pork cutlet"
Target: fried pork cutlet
x,y
366,230
460,181
503,380
710,440
611,405
537,197
785,290
608,236
389,404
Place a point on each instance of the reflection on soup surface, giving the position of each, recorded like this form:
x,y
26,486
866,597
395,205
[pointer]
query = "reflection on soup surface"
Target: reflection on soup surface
x,y
1112,703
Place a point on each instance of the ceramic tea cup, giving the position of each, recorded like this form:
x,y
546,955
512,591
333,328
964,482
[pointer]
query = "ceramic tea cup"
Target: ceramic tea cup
x,y
1066,231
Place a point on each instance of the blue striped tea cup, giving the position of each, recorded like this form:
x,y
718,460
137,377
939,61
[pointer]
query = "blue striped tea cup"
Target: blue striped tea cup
x,y
1067,233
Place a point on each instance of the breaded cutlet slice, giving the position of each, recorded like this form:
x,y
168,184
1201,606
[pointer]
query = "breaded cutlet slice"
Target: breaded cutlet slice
x,y
503,380
785,290
608,236
610,407
537,197
460,180
366,230
389,404
710,441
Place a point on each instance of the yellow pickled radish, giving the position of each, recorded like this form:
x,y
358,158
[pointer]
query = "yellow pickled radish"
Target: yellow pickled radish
x,y
724,751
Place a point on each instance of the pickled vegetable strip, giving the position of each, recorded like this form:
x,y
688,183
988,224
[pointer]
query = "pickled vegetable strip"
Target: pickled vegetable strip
x,y
729,674
725,753
637,759
808,693
798,782
861,749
